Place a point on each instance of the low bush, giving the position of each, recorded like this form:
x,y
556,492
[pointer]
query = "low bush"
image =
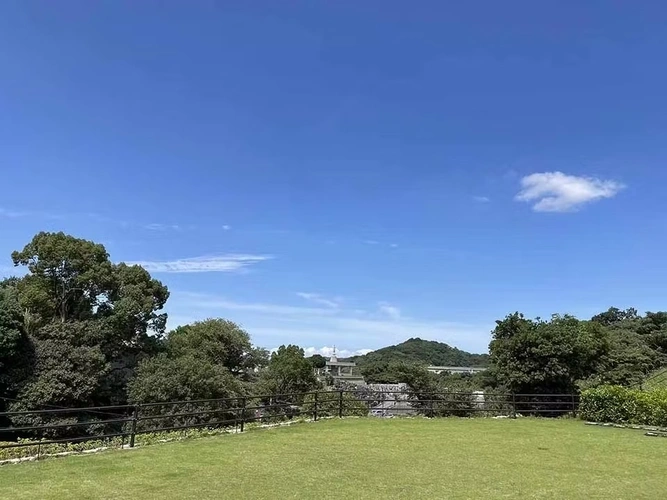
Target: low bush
x,y
621,405
144,439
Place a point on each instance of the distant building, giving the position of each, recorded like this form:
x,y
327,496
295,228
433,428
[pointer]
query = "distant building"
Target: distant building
x,y
341,371
454,369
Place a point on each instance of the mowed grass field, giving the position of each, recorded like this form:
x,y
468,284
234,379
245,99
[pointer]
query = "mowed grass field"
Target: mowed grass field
x,y
366,458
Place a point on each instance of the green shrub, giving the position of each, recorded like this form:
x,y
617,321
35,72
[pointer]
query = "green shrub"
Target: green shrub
x,y
621,405
55,448
144,439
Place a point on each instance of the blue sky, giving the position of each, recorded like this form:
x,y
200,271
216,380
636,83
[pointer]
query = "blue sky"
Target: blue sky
x,y
348,173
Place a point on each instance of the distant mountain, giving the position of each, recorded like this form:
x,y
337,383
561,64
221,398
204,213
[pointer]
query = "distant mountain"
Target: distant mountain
x,y
424,352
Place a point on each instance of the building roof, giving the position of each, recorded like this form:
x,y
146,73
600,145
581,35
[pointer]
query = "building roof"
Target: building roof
x,y
340,363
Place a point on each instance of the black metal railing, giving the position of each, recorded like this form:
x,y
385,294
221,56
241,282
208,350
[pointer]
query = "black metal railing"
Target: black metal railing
x,y
38,429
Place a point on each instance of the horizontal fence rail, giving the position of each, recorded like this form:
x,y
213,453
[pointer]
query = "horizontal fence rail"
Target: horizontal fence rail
x,y
39,428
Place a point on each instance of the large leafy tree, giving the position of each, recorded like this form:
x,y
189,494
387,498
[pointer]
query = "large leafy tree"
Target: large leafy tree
x,y
72,279
89,321
65,371
192,381
133,306
203,360
188,377
288,373
635,346
318,361
632,352
11,327
68,277
654,327
68,367
219,341
536,356
628,361
614,315
15,346
134,325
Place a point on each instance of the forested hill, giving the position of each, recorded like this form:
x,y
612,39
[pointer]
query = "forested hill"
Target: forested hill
x,y
426,352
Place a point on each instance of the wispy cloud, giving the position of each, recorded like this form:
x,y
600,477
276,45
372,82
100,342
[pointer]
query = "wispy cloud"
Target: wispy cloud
x,y
316,298
392,312
13,214
558,192
6,212
162,227
94,216
274,324
220,263
207,301
226,227
481,199
376,242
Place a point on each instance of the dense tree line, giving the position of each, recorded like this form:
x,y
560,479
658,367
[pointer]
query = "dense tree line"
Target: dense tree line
x,y
566,354
562,355
80,330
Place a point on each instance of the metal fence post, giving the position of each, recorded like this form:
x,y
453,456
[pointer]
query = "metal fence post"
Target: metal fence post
x,y
513,405
315,407
133,432
340,404
236,415
243,405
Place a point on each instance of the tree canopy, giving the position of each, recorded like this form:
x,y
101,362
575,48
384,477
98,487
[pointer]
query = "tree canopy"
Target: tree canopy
x,y
219,341
74,328
536,356
288,372
79,329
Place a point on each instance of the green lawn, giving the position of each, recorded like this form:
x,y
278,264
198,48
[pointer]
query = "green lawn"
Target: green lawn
x,y
367,458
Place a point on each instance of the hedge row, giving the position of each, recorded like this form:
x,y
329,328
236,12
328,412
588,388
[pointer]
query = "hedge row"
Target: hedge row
x,y
144,439
621,405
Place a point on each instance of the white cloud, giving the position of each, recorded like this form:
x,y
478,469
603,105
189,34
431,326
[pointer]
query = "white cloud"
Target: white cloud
x,y
221,263
226,227
371,242
351,329
389,310
6,212
481,199
205,301
163,227
327,352
394,245
558,192
13,214
316,298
